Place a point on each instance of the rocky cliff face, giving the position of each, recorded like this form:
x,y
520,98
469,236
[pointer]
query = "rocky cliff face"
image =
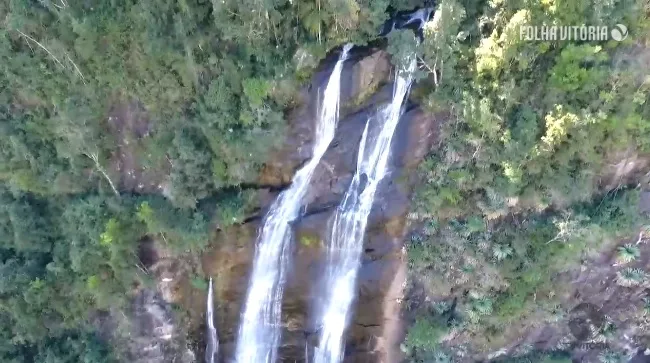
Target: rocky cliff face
x,y
376,330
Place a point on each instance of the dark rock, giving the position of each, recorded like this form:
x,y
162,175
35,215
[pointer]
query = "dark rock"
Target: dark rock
x,y
362,79
148,254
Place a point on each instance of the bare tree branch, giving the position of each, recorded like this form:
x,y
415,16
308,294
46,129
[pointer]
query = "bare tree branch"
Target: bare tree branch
x,y
42,47
431,70
95,159
77,69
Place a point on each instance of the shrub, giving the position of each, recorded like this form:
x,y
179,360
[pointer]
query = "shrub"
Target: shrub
x,y
629,277
627,253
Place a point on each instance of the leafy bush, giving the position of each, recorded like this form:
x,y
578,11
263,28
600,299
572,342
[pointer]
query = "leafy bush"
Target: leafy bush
x,y
181,229
627,253
199,283
425,334
630,277
609,356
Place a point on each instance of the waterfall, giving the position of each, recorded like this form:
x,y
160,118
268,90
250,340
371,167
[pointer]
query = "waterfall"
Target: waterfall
x,y
212,347
408,19
259,333
349,223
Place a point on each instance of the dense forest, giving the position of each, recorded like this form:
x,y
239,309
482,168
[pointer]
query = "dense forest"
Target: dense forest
x,y
122,119
101,98
517,192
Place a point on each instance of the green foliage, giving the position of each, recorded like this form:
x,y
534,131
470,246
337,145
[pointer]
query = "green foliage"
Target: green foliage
x,y
629,277
181,229
309,240
83,347
191,169
475,224
199,283
646,306
534,120
212,80
209,75
569,73
439,357
422,343
608,330
256,90
501,252
534,127
402,46
627,253
510,266
442,42
425,335
479,306
609,356
233,206
78,258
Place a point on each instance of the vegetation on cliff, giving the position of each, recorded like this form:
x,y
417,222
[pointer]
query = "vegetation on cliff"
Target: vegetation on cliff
x,y
509,200
79,175
518,191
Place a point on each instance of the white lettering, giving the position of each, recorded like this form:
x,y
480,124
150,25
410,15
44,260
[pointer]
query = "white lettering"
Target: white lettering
x,y
553,33
592,33
564,33
604,33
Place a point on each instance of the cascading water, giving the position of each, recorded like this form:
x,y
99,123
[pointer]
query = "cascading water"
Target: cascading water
x,y
259,334
349,223
212,347
408,19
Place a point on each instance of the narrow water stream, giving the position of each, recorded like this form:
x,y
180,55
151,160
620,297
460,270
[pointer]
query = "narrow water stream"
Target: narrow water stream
x,y
212,347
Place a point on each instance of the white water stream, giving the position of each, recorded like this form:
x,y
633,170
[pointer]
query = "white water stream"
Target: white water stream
x,y
212,347
349,224
260,330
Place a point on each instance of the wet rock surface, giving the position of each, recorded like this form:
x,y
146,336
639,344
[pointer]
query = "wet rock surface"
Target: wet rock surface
x,y
375,332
